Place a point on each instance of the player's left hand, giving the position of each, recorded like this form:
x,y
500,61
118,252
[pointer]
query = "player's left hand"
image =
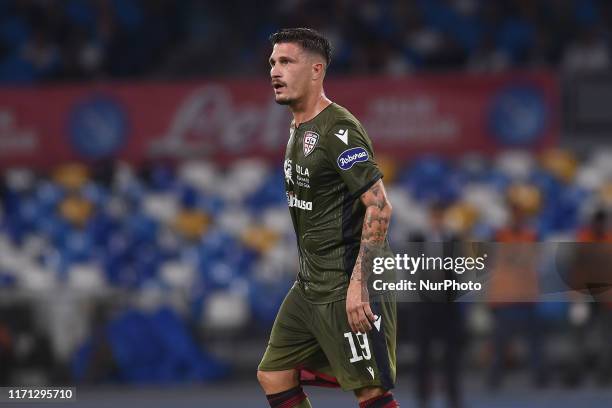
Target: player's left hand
x,y
358,309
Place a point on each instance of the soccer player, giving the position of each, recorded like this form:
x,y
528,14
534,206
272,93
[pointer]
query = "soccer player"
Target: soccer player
x,y
329,331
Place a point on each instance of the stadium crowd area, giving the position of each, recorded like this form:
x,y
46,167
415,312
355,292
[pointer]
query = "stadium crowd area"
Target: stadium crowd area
x,y
205,228
96,39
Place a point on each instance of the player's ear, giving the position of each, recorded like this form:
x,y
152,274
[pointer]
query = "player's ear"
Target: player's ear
x,y
318,70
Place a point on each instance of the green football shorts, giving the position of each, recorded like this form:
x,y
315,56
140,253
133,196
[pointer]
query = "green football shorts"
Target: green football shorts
x,y
317,339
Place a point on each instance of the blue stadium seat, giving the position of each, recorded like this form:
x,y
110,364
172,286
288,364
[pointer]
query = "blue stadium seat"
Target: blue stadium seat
x,y
162,178
431,179
274,293
158,348
95,193
14,31
188,196
272,192
49,195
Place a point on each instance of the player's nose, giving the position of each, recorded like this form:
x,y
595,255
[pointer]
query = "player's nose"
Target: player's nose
x,y
275,72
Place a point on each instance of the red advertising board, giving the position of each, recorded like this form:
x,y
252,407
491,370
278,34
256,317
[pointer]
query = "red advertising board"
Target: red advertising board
x,y
223,120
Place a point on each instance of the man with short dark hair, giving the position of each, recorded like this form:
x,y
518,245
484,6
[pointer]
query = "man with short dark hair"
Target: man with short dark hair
x,y
328,330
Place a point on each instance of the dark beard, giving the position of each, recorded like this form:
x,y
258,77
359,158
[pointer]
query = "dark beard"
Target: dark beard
x,y
284,101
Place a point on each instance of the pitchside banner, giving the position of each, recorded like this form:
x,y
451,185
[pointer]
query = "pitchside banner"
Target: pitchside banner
x,y
223,120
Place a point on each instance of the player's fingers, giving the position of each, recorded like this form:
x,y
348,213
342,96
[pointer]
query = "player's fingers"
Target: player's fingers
x,y
357,322
365,324
353,322
368,312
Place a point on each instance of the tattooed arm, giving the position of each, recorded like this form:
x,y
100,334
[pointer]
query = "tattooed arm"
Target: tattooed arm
x,y
374,232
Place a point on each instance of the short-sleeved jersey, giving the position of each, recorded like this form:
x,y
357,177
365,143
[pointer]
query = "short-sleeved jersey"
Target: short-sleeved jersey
x,y
329,163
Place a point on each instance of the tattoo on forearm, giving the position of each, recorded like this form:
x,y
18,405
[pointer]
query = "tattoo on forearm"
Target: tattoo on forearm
x,y
374,232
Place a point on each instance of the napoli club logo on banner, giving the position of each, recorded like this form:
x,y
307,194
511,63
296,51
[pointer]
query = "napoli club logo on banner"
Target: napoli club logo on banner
x,y
518,115
310,141
98,126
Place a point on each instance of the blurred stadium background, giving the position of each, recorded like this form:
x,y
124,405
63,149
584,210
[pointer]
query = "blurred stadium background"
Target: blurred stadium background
x,y
145,243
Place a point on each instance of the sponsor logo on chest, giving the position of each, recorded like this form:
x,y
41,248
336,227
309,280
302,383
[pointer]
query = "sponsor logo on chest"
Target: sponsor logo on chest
x,y
293,201
302,174
302,171
288,169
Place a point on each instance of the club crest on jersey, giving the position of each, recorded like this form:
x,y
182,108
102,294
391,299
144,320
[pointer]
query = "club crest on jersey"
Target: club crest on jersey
x,y
349,157
310,141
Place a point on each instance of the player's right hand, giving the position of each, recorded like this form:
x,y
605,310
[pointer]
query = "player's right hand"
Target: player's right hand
x,y
358,310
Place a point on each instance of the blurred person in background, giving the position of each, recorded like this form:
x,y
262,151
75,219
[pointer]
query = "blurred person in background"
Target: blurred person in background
x,y
328,331
589,52
439,319
25,349
514,287
590,279
6,353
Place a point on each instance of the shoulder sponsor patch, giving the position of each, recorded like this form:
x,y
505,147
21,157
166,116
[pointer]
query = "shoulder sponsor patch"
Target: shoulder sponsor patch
x,y
349,157
310,141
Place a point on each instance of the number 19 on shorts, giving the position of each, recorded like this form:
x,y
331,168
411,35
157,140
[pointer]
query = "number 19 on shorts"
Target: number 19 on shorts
x,y
362,340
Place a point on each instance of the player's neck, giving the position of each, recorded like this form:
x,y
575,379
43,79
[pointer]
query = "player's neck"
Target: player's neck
x,y
309,108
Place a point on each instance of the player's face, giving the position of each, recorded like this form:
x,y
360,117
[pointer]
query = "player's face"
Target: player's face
x,y
290,71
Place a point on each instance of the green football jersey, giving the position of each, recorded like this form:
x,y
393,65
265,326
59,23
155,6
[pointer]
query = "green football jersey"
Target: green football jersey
x,y
329,163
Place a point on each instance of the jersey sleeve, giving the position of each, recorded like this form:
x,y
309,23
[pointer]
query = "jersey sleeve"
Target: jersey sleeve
x,y
350,152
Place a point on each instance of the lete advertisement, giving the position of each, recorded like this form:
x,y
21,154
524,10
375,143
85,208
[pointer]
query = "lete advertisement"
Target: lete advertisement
x,y
229,119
